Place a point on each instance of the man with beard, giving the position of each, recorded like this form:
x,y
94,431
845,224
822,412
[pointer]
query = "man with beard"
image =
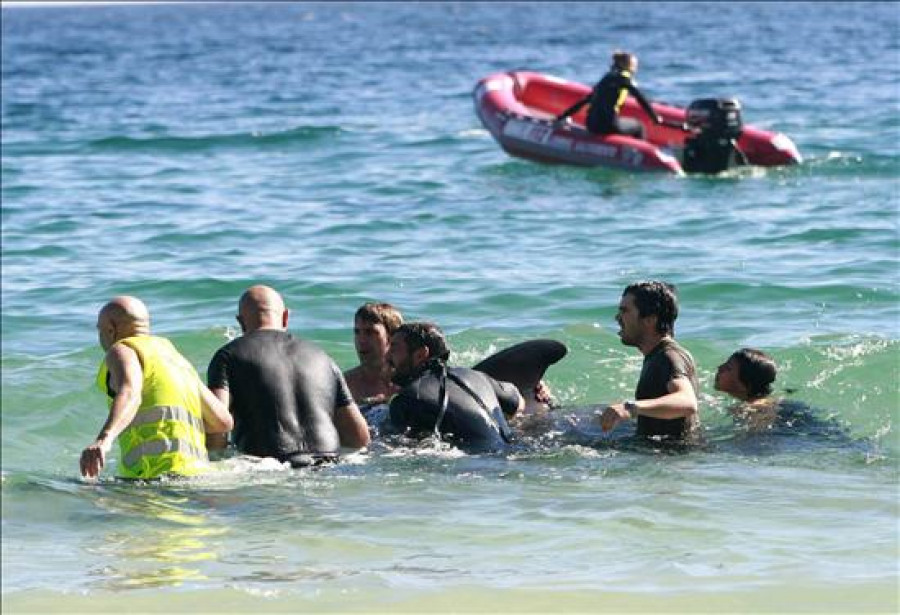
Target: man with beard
x,y
665,403
464,406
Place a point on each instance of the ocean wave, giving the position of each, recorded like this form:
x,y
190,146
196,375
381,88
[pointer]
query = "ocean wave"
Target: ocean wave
x,y
249,140
856,164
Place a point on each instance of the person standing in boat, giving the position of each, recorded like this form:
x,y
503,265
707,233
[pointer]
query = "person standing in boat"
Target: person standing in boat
x,y
607,98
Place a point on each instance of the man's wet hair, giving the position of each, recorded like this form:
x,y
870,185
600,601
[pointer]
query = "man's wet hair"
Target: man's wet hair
x,y
425,335
756,370
380,314
655,298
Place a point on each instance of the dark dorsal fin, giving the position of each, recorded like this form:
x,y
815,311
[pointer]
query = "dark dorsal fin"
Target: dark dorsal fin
x,y
523,364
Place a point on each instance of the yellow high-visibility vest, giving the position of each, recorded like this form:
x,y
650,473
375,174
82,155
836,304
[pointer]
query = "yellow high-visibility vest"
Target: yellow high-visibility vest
x,y
166,435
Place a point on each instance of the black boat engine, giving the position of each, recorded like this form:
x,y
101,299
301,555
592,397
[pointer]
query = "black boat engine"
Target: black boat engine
x,y
717,125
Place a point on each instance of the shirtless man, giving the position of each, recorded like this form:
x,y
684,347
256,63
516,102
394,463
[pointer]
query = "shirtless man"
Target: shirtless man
x,y
288,397
370,381
157,403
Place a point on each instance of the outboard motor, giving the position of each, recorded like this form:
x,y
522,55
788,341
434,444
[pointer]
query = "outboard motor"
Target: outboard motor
x,y
716,124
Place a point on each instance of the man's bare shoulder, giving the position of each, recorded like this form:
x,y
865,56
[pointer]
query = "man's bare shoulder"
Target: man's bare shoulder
x,y
354,373
120,353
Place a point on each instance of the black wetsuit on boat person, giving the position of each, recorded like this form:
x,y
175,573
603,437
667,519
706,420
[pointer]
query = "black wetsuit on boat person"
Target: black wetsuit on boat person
x,y
607,98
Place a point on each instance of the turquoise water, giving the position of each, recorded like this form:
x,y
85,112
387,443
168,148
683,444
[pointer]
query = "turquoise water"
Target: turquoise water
x,y
183,152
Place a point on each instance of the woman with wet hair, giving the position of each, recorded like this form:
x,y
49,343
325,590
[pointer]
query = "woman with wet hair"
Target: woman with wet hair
x,y
747,375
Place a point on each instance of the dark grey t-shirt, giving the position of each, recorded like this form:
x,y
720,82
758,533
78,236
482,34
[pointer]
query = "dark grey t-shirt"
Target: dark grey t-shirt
x,y
284,392
665,363
416,408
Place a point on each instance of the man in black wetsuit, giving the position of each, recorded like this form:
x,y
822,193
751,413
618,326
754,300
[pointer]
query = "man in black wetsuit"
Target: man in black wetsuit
x,y
288,397
607,98
665,402
467,407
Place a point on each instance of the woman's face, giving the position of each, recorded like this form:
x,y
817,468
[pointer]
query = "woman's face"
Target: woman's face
x,y
728,379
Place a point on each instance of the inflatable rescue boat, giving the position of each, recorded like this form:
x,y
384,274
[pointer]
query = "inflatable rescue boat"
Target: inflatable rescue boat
x,y
518,109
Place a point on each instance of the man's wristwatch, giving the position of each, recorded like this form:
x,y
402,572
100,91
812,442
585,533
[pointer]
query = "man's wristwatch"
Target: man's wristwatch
x,y
630,406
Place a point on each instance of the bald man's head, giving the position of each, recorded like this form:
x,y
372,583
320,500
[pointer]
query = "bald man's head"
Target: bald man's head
x,y
122,317
261,307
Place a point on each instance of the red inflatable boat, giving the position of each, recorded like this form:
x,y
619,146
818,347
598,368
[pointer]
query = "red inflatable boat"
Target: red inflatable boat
x,y
518,109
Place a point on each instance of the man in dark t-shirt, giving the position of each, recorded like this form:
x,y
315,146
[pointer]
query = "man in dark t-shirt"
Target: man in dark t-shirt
x,y
667,362
464,406
288,397
665,403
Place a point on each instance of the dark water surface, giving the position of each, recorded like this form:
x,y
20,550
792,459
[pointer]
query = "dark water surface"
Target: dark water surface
x,y
183,152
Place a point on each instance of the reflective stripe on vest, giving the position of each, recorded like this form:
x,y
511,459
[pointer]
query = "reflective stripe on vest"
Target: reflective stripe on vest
x,y
166,413
161,447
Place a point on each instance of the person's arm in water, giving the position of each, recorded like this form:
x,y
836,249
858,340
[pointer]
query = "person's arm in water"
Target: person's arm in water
x,y
680,402
126,378
351,426
217,381
217,419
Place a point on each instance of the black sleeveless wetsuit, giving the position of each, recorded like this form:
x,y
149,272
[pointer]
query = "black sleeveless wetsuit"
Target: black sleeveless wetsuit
x,y
416,408
284,392
665,363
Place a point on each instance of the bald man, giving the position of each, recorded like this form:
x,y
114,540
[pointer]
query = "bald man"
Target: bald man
x,y
159,408
288,397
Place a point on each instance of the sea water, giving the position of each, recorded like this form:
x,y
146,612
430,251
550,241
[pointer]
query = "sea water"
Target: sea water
x,y
182,152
